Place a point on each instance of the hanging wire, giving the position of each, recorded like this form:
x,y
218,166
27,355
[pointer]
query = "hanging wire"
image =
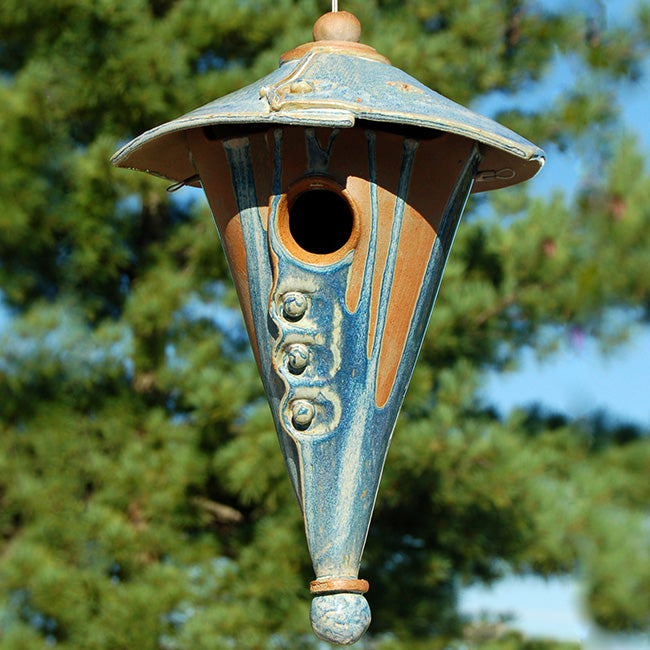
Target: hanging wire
x,y
335,5
174,187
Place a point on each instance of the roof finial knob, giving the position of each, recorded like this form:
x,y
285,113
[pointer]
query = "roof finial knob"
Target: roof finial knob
x,y
337,26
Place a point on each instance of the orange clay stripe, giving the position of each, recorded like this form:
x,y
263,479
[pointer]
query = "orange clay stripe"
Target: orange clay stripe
x,y
413,253
213,167
423,212
360,189
388,175
348,166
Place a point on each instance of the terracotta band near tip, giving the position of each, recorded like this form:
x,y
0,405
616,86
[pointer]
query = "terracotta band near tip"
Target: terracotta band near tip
x,y
339,585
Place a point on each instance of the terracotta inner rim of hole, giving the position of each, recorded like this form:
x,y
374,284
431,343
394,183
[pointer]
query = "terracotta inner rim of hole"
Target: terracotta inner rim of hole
x,y
350,222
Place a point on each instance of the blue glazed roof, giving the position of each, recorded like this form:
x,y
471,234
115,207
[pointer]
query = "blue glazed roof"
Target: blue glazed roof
x,y
336,85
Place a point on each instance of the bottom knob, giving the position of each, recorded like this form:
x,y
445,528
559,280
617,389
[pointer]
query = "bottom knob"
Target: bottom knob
x,y
339,618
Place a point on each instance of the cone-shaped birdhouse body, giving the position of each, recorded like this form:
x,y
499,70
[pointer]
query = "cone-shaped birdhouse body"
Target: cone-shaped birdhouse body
x,y
336,183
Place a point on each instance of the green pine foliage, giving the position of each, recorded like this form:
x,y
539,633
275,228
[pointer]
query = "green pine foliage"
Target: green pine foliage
x,y
143,497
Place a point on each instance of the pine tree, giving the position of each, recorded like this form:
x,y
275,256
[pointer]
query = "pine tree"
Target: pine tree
x,y
143,498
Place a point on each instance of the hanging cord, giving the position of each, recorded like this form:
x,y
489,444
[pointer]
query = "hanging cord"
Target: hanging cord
x,y
335,5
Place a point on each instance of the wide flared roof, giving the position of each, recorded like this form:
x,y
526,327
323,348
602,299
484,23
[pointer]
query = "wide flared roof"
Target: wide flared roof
x,y
336,84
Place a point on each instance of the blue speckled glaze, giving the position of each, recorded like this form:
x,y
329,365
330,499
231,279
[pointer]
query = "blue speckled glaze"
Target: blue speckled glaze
x,y
334,88
335,463
340,618
336,368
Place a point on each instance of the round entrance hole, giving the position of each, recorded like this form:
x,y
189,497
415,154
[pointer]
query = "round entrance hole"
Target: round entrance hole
x,y
321,221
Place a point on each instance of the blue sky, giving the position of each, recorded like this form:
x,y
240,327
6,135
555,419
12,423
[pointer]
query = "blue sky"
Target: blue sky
x,y
546,609
578,380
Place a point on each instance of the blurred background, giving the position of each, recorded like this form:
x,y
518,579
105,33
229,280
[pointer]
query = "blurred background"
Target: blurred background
x,y
143,497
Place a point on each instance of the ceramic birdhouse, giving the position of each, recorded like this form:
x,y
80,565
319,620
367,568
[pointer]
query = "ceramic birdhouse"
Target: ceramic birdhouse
x,y
336,184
